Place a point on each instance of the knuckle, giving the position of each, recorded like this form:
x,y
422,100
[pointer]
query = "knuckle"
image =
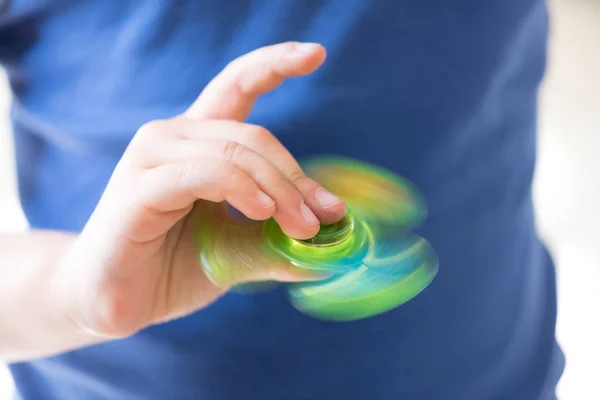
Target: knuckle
x,y
232,65
143,143
232,73
184,172
200,180
233,152
296,177
147,134
152,129
258,134
281,184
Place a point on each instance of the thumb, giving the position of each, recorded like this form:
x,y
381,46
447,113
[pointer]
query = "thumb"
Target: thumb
x,y
234,251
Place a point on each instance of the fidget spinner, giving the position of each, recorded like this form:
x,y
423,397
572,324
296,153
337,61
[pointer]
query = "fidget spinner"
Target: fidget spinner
x,y
370,260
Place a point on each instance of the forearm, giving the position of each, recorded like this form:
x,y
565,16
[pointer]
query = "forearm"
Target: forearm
x,y
33,318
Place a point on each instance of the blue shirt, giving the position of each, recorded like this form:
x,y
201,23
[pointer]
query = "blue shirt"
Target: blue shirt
x,y
442,92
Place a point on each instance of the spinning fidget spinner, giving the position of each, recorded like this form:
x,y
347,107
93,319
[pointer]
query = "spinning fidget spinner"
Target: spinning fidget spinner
x,y
370,261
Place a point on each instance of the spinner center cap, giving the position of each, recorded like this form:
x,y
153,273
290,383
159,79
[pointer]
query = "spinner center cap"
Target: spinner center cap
x,y
331,235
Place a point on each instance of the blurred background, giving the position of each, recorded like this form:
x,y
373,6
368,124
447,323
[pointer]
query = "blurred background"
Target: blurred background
x,y
567,188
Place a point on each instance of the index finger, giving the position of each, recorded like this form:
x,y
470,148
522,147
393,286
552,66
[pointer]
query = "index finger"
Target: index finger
x,y
232,93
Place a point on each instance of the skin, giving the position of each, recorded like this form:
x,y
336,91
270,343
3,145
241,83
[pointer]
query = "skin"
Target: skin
x,y
135,264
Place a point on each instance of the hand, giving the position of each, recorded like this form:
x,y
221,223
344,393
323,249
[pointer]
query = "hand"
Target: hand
x,y
135,262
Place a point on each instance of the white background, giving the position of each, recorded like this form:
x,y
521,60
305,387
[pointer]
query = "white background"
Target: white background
x,y
567,188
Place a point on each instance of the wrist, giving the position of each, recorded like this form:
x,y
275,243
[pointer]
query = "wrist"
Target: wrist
x,y
67,295
87,299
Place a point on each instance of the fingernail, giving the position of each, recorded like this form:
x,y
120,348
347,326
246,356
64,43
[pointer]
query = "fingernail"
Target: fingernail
x,y
327,199
308,215
306,47
264,199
